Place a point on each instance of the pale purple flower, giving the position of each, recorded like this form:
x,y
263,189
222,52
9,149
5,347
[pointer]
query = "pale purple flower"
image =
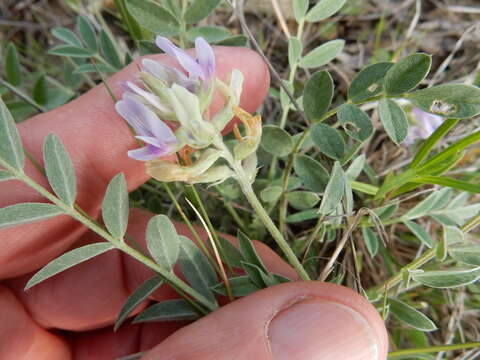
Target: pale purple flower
x,y
167,74
202,67
425,125
150,98
158,137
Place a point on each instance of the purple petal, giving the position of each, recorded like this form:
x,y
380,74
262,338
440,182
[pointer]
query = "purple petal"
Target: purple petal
x,y
188,62
131,113
427,122
205,56
168,75
414,133
165,73
147,95
146,153
143,120
153,141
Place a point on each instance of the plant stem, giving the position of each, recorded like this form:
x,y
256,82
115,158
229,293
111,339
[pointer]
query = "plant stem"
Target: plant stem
x,y
286,109
246,186
433,349
267,221
118,243
209,224
183,26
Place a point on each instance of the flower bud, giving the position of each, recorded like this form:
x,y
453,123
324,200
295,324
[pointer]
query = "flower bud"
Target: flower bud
x,y
195,131
232,94
167,171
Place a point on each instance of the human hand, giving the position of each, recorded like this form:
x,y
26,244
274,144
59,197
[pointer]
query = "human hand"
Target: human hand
x,y
290,321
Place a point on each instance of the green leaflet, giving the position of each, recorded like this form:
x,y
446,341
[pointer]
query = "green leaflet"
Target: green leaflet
x,y
59,169
87,33
322,54
302,200
26,213
68,260
153,17
211,34
334,190
199,10
420,233
356,122
249,254
444,279
136,298
411,316
276,141
109,50
317,95
300,8
163,241
406,74
5,175
328,140
295,48
169,310
196,268
311,172
115,207
371,240
368,82
241,286
70,51
394,120
324,9
11,65
455,101
67,36
11,150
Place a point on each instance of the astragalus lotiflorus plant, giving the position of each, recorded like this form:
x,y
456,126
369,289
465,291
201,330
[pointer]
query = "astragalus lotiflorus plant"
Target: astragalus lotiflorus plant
x,y
319,199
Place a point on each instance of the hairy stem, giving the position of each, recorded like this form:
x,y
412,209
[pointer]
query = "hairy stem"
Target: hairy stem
x,y
246,186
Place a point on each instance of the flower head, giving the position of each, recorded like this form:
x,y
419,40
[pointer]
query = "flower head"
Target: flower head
x,y
164,92
158,137
425,125
202,67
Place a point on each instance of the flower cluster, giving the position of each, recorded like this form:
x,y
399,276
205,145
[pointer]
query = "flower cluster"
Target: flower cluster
x,y
166,95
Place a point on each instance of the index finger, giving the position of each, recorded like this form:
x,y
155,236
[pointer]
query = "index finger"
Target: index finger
x,y
97,140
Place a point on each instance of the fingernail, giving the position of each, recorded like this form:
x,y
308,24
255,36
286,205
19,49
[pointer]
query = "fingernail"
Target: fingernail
x,y
315,329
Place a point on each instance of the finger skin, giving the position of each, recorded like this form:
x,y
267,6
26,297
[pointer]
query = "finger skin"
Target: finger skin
x,y
104,344
91,294
242,330
21,338
97,140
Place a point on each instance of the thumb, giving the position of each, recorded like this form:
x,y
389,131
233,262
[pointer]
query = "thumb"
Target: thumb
x,y
293,321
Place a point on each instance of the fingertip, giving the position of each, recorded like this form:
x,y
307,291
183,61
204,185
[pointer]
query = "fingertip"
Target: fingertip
x,y
22,338
301,320
335,324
